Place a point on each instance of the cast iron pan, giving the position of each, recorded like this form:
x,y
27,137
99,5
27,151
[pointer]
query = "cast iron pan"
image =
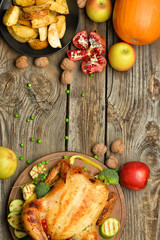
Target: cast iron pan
x,y
71,27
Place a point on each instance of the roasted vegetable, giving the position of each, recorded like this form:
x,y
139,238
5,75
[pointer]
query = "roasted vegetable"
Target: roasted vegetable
x,y
11,16
19,233
42,189
53,37
109,176
37,170
14,219
23,31
24,3
109,228
28,190
16,205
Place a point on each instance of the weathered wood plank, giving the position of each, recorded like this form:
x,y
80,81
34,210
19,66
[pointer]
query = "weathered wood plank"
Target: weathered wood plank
x,y
45,100
134,116
87,114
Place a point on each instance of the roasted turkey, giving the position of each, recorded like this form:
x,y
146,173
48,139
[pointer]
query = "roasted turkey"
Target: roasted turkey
x,y
76,203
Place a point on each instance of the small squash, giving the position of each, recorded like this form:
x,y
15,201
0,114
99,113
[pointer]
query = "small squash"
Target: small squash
x,y
137,21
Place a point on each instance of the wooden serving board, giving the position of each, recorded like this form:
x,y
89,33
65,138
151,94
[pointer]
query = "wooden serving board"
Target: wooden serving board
x,y
119,211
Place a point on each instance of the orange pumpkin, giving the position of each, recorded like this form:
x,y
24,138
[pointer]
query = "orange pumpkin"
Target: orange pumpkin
x,y
137,21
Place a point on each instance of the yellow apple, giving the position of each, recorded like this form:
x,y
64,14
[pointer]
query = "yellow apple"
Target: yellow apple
x,y
8,162
121,56
99,10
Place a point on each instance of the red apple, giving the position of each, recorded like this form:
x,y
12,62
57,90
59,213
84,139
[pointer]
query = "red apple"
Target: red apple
x,y
134,175
99,10
121,56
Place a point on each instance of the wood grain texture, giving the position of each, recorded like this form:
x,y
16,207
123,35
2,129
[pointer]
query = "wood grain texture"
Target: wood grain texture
x,y
116,105
87,114
45,100
134,116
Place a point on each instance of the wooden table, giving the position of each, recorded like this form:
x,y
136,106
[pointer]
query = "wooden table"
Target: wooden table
x,y
122,105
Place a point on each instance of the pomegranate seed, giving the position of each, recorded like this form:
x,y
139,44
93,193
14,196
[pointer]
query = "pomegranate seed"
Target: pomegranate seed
x,y
48,236
45,226
43,221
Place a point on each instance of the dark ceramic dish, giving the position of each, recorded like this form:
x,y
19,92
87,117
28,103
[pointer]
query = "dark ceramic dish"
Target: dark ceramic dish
x,y
71,26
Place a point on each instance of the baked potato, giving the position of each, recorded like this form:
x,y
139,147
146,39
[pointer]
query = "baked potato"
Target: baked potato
x,y
24,22
53,37
37,22
61,25
11,16
34,14
43,33
23,31
57,7
45,21
16,37
37,44
36,8
39,2
24,3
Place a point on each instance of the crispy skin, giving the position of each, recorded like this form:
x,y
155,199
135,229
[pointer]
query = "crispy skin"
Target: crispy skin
x,y
71,208
24,3
33,15
53,37
112,198
37,44
23,31
11,16
61,25
45,21
16,37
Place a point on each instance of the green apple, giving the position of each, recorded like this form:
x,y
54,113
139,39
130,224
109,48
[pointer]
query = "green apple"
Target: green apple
x,y
99,10
121,56
8,162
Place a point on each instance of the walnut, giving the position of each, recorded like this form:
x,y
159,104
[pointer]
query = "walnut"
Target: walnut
x,y
67,64
99,149
112,162
21,62
41,62
66,77
118,146
81,3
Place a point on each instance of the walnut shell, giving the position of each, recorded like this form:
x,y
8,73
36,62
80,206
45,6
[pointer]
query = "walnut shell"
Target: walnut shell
x,y
81,3
99,149
112,162
118,146
41,62
67,64
21,62
66,77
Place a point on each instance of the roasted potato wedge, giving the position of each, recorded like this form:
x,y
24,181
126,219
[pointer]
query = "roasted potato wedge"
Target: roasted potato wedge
x,y
61,25
53,37
11,16
37,44
36,34
36,8
24,22
39,2
57,7
37,22
33,15
16,37
23,31
45,21
63,2
43,33
24,3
